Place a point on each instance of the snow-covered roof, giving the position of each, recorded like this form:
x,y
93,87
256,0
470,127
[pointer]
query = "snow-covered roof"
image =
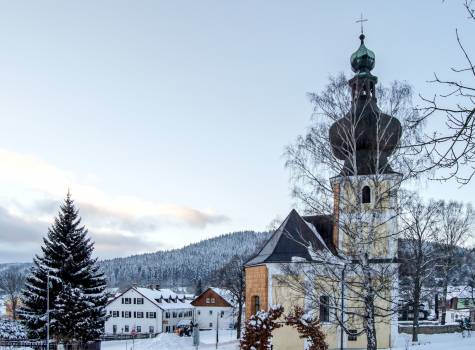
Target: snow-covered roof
x,y
165,299
460,292
175,306
294,237
225,294
158,293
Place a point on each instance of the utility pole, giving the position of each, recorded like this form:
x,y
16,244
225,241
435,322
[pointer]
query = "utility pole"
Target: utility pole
x,y
217,327
342,331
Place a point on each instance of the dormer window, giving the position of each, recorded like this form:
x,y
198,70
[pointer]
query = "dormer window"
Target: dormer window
x,y
366,195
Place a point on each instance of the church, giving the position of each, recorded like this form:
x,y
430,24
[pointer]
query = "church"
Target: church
x,y
341,266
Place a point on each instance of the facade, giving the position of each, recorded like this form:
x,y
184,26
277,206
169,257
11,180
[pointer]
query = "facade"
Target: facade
x,y
364,203
214,308
146,310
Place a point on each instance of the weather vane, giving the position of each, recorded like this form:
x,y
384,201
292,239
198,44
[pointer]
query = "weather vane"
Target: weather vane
x,y
361,21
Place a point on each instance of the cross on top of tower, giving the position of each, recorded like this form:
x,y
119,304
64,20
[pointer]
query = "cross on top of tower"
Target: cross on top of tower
x,y
361,21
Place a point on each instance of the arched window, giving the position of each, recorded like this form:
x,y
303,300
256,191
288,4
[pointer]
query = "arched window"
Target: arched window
x,y
257,304
366,195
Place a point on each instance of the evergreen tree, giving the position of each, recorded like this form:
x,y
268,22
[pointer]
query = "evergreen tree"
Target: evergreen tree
x,y
77,295
199,288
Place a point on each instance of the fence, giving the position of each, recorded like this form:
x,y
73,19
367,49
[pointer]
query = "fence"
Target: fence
x,y
432,329
41,345
119,336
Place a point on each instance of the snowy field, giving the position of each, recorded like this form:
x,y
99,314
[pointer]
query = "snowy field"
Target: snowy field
x,y
450,341
169,341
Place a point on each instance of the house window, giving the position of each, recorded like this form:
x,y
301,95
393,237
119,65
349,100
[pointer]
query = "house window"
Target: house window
x,y
167,329
208,300
115,313
213,300
114,329
180,315
139,314
366,195
152,315
222,314
324,309
139,329
151,329
139,301
126,300
211,325
126,329
352,335
257,303
174,314
167,315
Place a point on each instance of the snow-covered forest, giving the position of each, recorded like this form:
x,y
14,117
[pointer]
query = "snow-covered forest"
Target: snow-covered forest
x,y
184,266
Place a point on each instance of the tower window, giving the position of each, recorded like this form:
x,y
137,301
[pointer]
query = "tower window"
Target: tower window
x,y
257,304
324,309
366,195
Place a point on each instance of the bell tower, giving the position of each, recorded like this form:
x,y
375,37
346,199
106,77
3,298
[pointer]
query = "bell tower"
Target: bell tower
x,y
365,190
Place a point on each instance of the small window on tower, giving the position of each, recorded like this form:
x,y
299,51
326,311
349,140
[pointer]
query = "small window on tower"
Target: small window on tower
x,y
366,195
257,304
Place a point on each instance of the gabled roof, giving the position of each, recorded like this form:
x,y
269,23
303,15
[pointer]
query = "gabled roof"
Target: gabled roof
x,y
157,297
224,297
225,294
294,237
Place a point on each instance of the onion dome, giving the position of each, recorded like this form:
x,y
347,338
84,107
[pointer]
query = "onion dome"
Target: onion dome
x,y
362,61
365,137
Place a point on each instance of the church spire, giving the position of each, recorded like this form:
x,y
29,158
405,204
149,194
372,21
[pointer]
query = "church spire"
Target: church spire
x,y
365,134
362,63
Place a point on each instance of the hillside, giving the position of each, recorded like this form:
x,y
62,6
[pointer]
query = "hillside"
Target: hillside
x,y
184,266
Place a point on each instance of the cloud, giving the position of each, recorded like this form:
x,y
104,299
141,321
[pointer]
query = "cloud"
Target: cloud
x,y
32,191
52,182
21,238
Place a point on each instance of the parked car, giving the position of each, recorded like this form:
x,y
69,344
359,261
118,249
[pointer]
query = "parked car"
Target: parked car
x,y
406,312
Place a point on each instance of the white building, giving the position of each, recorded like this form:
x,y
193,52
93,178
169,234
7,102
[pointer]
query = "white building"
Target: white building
x,y
214,308
146,310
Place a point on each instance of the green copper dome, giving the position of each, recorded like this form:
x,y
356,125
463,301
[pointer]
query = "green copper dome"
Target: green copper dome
x,y
362,61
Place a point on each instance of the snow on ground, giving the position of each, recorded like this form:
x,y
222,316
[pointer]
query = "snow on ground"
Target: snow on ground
x,y
452,341
168,341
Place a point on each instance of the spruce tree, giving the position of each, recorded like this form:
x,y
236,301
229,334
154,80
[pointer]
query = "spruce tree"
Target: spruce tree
x,y
77,295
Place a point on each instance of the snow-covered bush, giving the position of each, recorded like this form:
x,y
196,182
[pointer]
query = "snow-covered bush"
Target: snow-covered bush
x,y
12,330
258,330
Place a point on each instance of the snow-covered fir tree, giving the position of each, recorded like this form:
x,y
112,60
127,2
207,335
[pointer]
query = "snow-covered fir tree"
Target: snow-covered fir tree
x,y
77,295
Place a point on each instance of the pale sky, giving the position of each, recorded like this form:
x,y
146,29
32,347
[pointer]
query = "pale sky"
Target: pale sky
x,y
168,119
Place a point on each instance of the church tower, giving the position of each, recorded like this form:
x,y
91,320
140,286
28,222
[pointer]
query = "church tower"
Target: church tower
x,y
365,191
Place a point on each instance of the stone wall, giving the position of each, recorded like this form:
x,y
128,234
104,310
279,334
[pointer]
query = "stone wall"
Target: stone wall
x,y
432,329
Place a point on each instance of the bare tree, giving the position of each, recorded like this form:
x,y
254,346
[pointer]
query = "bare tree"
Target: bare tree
x,y
420,230
343,167
453,150
231,277
11,283
456,224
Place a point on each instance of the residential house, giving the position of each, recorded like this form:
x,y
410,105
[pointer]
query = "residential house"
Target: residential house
x,y
214,308
146,310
